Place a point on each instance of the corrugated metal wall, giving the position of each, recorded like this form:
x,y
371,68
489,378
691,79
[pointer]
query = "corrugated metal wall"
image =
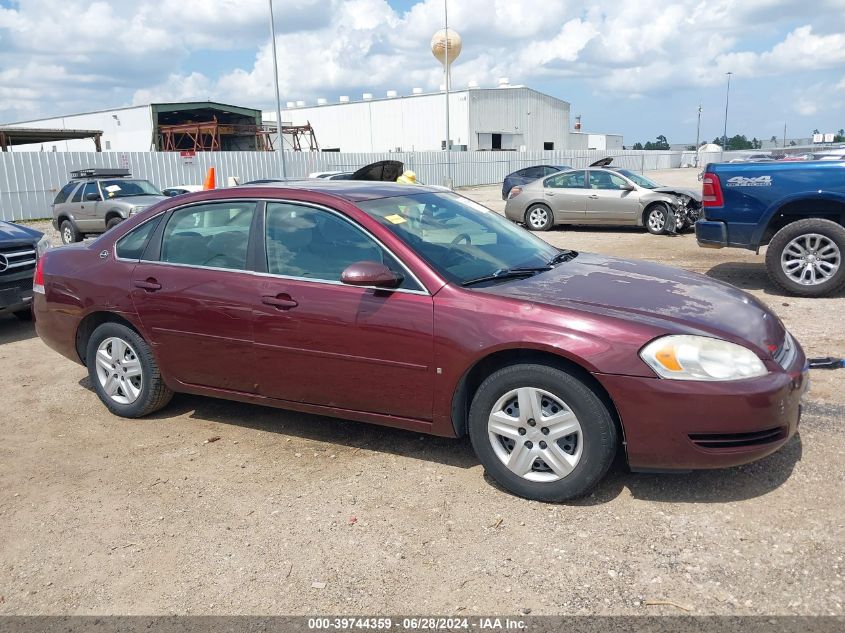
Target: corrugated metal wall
x,y
29,180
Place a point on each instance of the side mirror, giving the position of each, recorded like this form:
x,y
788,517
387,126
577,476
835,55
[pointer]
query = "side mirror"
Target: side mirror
x,y
627,187
370,274
92,197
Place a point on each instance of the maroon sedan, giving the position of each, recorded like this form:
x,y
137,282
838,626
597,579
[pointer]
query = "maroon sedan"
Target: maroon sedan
x,y
420,309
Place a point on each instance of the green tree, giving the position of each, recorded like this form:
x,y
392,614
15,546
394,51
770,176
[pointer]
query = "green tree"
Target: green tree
x,y
816,131
637,146
840,136
661,143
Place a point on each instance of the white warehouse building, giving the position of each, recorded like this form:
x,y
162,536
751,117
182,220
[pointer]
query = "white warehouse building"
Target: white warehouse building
x,y
504,118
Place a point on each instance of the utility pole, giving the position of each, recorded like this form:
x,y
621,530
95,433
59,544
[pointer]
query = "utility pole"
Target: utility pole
x,y
727,100
697,135
281,149
784,136
446,66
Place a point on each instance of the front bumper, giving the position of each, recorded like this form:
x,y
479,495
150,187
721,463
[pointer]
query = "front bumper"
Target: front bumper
x,y
16,294
684,425
711,234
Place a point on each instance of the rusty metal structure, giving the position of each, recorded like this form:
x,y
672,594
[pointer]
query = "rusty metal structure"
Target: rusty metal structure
x,y
213,136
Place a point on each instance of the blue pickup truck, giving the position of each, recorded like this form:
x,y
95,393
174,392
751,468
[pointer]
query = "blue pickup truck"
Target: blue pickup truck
x,y
796,208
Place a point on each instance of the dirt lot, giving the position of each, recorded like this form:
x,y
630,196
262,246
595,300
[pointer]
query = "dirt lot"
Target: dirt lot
x,y
102,515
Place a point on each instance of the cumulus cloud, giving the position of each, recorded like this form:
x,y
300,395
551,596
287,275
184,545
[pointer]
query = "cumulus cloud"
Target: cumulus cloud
x,y
61,54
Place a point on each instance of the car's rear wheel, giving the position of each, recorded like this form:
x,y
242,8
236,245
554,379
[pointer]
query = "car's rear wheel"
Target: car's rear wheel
x,y
657,218
805,257
539,217
69,232
124,372
113,222
542,433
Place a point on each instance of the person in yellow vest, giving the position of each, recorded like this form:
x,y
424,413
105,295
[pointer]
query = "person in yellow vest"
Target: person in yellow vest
x,y
411,213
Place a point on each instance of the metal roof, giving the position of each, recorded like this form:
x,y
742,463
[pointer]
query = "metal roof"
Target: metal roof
x,y
10,136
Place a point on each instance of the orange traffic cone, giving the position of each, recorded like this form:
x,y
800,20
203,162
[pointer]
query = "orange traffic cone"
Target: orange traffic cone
x,y
209,179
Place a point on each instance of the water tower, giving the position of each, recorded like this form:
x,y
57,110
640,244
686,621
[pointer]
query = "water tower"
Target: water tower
x,y
438,49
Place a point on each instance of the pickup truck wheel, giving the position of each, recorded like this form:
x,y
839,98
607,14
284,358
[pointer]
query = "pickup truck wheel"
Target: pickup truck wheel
x,y
805,257
70,233
113,222
541,433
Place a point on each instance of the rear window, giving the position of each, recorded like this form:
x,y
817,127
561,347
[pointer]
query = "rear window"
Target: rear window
x,y
133,244
65,192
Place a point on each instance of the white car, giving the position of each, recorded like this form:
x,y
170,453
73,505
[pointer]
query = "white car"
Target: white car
x,y
178,190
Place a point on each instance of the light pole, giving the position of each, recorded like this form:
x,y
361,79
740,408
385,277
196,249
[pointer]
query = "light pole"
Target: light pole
x,y
281,149
727,100
446,66
697,134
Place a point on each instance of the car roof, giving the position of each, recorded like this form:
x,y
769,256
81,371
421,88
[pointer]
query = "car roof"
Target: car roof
x,y
352,190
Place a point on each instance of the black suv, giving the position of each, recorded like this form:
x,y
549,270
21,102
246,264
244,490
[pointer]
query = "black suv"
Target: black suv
x,y
20,247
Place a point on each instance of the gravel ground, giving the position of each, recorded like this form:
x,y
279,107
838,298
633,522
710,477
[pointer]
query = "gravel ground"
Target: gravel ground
x,y
101,515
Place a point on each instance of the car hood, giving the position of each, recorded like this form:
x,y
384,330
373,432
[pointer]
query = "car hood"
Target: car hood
x,y
668,299
10,231
692,193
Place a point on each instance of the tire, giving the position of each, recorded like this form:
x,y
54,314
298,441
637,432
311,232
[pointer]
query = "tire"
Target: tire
x,y
70,234
113,222
823,243
656,218
582,457
23,315
132,396
539,217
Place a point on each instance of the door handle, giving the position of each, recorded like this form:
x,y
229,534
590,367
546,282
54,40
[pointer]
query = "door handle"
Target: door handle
x,y
593,197
280,302
150,284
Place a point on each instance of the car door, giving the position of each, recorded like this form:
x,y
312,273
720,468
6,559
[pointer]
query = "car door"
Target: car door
x,y
566,196
610,199
193,291
319,341
86,214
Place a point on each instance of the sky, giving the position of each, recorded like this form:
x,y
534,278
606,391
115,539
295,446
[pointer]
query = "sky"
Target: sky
x,y
636,68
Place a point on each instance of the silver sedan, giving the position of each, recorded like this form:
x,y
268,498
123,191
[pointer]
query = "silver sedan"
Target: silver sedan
x,y
592,196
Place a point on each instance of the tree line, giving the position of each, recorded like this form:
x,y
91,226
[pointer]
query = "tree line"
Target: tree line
x,y
736,142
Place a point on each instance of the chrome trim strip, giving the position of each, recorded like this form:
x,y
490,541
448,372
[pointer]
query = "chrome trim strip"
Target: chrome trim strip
x,y
17,253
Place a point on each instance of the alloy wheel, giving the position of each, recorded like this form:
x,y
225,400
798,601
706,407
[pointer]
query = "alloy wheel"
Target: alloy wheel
x,y
119,370
811,259
656,220
538,217
535,434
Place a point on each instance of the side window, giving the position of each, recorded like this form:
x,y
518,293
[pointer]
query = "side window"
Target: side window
x,y
317,244
605,180
65,192
566,180
77,197
132,245
550,170
90,187
214,235
534,172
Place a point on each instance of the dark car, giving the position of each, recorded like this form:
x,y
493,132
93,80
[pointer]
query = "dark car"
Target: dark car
x,y
529,174
419,309
20,247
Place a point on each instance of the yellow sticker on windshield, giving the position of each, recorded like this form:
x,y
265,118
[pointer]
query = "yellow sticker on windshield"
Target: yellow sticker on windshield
x,y
395,219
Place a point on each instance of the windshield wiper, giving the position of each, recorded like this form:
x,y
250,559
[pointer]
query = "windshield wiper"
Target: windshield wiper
x,y
564,256
507,273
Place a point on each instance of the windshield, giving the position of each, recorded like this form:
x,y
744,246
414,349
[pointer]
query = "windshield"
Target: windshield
x,y
459,238
124,188
642,181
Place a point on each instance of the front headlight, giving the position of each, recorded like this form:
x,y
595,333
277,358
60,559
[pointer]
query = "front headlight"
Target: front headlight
x,y
42,246
685,357
134,210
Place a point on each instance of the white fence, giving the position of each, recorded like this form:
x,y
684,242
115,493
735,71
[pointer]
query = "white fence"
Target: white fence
x,y
29,181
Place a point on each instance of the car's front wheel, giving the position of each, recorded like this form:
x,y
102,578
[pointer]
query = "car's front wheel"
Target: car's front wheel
x,y
657,218
539,217
124,372
805,257
113,222
542,433
69,232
